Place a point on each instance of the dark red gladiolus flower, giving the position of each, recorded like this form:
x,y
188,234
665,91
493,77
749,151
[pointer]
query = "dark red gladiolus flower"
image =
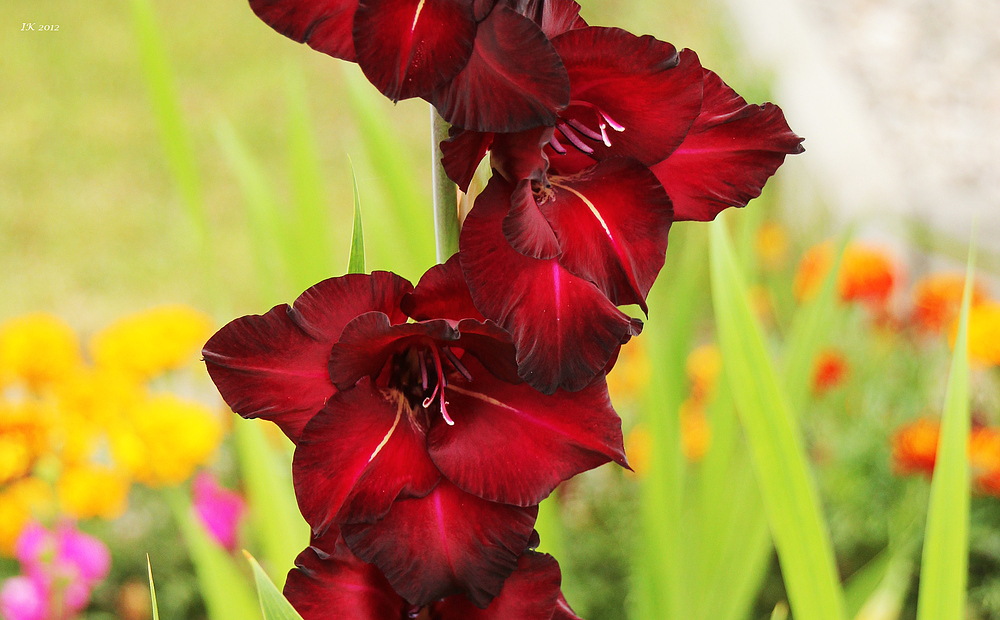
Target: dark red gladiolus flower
x,y
561,312
330,583
483,65
406,432
638,97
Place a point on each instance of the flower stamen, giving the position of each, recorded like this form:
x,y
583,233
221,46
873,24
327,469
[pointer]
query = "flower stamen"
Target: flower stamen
x,y
573,138
456,363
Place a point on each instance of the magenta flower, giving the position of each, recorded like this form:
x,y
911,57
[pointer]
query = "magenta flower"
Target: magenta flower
x,y
329,583
416,440
60,567
481,63
219,509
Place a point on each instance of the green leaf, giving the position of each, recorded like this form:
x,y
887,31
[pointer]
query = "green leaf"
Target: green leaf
x,y
356,263
167,111
263,214
152,589
777,452
279,526
661,579
550,529
311,256
810,332
273,604
223,587
945,564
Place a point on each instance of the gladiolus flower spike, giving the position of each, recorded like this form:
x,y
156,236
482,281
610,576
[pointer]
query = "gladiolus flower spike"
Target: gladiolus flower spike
x,y
416,441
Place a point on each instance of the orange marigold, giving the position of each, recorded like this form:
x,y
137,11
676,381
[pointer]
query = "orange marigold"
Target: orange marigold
x,y
829,369
984,334
914,447
984,459
867,273
937,299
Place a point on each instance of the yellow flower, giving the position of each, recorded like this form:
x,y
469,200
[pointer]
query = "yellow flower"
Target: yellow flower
x,y
92,401
631,373
22,501
638,445
24,435
984,334
151,342
87,491
772,245
37,349
165,439
703,367
696,434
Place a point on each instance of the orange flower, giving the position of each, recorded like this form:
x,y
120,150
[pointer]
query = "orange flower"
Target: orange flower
x,y
914,447
772,245
938,298
703,366
867,274
984,459
829,369
696,434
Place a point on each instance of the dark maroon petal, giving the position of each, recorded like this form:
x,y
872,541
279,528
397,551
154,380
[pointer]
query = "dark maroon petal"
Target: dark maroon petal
x,y
640,83
324,309
441,294
519,156
446,543
564,328
530,593
329,583
526,228
568,163
492,346
730,152
357,455
461,154
369,340
534,441
563,610
408,48
612,222
324,25
267,367
559,16
513,81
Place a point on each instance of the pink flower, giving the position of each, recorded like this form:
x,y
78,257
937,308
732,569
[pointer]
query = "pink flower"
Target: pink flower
x,y
24,598
219,509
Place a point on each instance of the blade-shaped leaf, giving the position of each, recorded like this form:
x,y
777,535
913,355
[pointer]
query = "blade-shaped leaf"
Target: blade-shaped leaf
x,y
152,589
223,587
273,604
945,564
281,530
356,263
776,446
661,591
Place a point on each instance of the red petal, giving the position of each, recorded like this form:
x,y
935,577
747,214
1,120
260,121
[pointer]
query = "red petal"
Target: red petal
x,y
408,48
526,228
559,16
612,223
512,445
275,366
461,154
369,340
530,593
356,456
639,82
335,585
324,25
730,152
519,156
563,610
513,81
492,346
441,294
564,328
446,543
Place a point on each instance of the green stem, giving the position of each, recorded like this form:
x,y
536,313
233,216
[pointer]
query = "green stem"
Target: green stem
x,y
446,225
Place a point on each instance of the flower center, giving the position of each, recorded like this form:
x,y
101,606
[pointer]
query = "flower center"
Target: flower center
x,y
420,375
572,128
